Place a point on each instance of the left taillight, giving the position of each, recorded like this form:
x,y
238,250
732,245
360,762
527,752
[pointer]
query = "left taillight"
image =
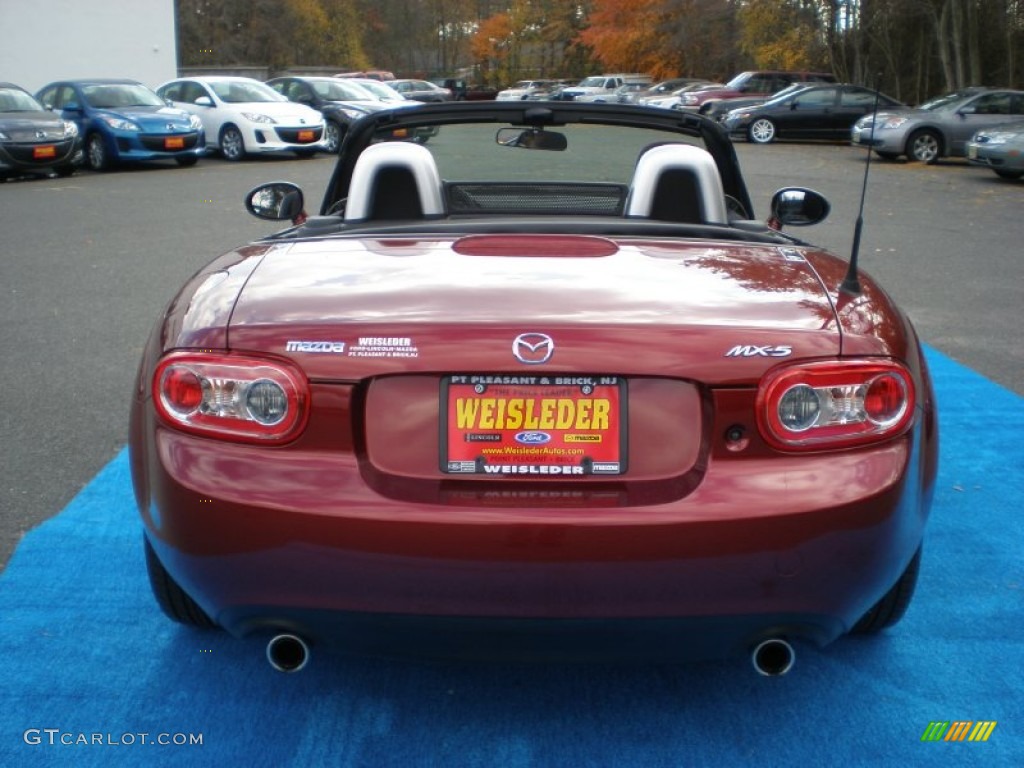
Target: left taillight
x,y
834,404
235,397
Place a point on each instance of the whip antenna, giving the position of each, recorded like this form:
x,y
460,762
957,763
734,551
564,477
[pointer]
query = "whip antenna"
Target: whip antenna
x,y
851,283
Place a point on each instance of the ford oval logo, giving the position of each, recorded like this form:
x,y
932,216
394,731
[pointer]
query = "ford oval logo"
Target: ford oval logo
x,y
533,438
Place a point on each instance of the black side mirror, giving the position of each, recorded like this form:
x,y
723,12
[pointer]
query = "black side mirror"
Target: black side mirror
x,y
276,201
798,207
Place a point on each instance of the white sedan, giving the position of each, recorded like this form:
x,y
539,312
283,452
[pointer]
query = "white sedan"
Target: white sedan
x,y
244,116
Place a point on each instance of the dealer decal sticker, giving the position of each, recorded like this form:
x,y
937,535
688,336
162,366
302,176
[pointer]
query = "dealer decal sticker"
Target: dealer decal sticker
x,y
383,346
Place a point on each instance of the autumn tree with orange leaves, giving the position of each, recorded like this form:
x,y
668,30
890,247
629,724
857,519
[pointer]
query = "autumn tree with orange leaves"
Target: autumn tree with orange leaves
x,y
623,35
532,38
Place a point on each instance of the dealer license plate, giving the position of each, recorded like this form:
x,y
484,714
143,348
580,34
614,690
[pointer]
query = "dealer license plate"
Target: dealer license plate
x,y
174,142
307,136
44,152
554,426
972,153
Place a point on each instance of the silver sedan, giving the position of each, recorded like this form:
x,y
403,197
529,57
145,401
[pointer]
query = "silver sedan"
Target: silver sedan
x,y
939,128
1000,148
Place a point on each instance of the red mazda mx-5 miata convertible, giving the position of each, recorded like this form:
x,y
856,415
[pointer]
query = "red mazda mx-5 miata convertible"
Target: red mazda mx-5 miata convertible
x,y
534,380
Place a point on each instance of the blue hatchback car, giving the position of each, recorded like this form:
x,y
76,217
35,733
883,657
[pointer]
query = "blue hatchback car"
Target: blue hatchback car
x,y
124,121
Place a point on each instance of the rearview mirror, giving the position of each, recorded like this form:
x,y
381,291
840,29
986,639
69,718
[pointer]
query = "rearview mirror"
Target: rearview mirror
x,y
532,138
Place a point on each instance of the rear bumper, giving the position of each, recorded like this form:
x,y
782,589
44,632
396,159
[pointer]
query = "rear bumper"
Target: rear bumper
x,y
303,543
646,640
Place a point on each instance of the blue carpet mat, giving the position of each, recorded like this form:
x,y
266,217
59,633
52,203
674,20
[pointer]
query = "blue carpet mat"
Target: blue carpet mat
x,y
87,657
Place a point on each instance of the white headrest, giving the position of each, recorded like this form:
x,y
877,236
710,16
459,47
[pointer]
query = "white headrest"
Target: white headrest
x,y
394,154
657,160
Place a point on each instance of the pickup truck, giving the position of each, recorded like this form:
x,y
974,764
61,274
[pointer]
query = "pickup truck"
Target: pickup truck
x,y
600,87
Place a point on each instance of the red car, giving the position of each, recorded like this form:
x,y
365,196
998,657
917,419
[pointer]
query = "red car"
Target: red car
x,y
545,386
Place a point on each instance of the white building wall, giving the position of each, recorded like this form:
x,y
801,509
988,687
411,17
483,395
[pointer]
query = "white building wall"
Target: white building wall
x,y
46,40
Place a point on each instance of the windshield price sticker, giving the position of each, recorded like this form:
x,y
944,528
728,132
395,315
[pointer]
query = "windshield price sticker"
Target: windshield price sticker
x,y
533,426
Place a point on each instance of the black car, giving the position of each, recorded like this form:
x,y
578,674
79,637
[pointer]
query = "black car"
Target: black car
x,y
815,112
422,90
34,140
717,110
463,91
340,101
458,87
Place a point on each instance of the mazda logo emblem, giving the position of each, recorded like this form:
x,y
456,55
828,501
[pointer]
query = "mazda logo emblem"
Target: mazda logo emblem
x,y
533,348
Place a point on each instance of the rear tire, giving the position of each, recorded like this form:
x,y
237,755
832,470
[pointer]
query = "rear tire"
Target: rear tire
x,y
171,598
890,609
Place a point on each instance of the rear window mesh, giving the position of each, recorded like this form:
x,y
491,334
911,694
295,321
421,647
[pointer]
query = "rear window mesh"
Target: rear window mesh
x,y
598,199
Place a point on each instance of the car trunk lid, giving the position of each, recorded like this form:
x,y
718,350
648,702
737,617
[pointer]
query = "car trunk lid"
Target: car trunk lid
x,y
720,313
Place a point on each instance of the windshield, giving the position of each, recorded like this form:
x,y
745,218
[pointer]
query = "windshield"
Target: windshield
x,y
945,101
560,159
339,90
739,80
381,91
15,100
242,92
120,96
785,93
592,82
470,153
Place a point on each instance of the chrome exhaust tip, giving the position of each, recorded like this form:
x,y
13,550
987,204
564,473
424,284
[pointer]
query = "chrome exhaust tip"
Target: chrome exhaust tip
x,y
287,653
773,657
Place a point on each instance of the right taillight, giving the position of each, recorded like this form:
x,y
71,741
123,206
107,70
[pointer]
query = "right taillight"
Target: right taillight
x,y
834,404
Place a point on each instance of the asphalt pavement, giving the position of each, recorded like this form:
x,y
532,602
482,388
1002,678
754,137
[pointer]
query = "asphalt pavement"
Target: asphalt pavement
x,y
88,262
